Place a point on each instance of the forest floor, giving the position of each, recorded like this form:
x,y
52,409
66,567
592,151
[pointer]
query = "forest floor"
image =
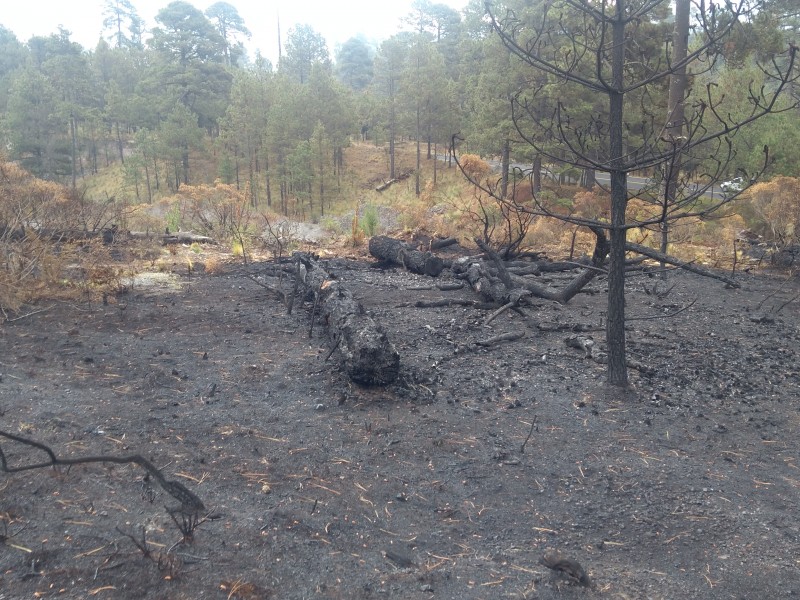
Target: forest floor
x,y
452,483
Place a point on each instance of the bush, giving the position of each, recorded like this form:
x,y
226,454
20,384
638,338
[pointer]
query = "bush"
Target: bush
x,y
370,223
474,166
777,203
44,240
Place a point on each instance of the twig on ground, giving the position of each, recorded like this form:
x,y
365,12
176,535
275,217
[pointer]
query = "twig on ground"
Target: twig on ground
x,y
497,313
142,546
530,433
25,316
672,314
785,304
335,346
503,337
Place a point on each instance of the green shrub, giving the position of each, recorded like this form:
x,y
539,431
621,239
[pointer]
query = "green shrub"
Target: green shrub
x,y
370,223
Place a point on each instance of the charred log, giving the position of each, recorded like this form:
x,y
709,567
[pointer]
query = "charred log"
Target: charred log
x,y
397,252
108,235
185,237
438,244
368,357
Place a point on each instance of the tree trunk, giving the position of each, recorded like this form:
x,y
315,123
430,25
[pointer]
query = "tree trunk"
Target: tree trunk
x,y
536,184
119,144
676,116
392,128
430,142
588,179
615,324
321,179
435,163
74,136
185,164
266,179
147,177
416,178
505,167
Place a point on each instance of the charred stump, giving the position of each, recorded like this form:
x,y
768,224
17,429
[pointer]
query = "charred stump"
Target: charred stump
x,y
369,358
397,252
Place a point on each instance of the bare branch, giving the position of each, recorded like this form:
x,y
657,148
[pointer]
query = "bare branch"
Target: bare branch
x,y
190,503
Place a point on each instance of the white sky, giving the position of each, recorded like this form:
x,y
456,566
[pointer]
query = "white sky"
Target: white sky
x,y
337,21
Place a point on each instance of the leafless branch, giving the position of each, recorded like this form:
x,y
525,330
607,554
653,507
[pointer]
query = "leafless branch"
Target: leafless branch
x,y
190,503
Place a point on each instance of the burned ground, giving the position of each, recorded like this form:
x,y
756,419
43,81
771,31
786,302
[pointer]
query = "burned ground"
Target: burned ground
x,y
452,483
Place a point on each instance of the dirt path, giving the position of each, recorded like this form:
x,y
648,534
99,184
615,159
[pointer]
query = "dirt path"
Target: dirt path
x,y
449,484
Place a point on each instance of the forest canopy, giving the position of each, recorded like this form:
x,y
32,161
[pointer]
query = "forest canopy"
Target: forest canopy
x,y
162,102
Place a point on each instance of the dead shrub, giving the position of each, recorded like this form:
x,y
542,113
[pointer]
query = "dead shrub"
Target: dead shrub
x,y
547,232
593,204
474,166
45,233
213,265
777,203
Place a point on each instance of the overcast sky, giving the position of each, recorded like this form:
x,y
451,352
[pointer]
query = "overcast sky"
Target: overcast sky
x,y
337,21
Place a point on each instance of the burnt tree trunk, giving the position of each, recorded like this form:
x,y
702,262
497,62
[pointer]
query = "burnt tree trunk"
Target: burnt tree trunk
x,y
369,358
397,252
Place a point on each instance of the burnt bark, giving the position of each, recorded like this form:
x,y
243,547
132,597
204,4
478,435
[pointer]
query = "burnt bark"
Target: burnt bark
x,y
368,357
397,252
501,286
438,244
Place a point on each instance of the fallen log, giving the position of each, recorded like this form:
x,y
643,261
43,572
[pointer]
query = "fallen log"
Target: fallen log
x,y
49,235
447,302
387,184
109,235
670,260
178,237
397,252
438,244
186,237
368,357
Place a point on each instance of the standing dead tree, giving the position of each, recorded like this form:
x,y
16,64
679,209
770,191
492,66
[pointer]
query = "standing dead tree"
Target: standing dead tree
x,y
590,51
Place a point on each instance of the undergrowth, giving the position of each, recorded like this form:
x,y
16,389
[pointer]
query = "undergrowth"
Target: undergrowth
x,y
51,243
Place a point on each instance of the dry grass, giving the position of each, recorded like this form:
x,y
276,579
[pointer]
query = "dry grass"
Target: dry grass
x,y
32,267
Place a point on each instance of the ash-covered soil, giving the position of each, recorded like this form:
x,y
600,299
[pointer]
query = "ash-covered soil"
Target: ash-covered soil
x,y
452,483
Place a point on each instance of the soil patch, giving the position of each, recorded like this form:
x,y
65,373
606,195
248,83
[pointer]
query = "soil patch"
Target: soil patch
x,y
452,483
